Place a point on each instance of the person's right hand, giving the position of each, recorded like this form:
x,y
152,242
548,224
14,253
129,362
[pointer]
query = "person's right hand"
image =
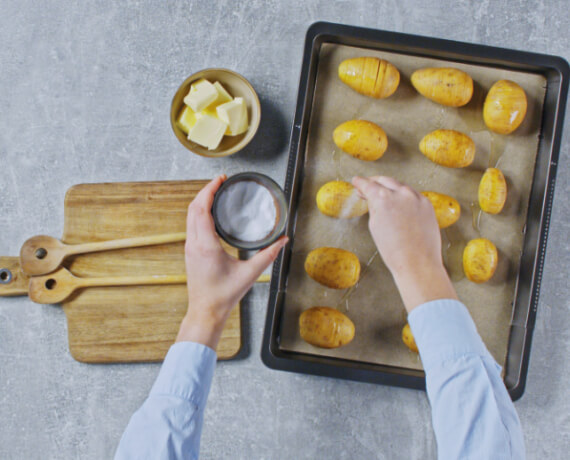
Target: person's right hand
x,y
216,280
404,228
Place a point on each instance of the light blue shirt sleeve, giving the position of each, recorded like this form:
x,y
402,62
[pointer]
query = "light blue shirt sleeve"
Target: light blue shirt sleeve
x,y
169,423
472,413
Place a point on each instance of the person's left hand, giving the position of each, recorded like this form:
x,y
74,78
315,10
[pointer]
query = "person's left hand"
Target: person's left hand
x,y
216,280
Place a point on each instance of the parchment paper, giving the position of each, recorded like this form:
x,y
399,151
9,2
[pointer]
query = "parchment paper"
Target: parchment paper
x,y
374,305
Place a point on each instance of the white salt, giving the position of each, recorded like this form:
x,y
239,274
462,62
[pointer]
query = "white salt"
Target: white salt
x,y
246,211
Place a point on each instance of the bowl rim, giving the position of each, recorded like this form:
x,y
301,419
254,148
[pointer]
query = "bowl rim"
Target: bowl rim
x,y
247,136
278,195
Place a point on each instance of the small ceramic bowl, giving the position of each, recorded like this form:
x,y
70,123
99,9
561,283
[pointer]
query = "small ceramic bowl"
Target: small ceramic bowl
x,y
237,86
278,200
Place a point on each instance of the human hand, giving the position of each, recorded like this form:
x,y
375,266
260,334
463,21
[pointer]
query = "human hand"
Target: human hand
x,y
216,280
404,228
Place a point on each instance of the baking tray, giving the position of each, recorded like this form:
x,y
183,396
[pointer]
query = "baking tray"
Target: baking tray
x,y
552,70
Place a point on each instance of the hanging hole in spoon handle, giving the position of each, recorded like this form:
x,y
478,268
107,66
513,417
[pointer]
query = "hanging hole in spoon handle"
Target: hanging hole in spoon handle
x,y
50,284
13,282
5,276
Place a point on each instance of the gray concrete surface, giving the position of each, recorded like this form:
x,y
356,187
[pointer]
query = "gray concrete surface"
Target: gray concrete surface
x,y
85,89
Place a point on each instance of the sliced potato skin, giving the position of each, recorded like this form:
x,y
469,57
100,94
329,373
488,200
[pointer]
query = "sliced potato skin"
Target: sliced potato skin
x,y
447,209
480,259
325,327
339,199
446,85
333,267
505,107
370,76
408,338
449,148
492,191
362,139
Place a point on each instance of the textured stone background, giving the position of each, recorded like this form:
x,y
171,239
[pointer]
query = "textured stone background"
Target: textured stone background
x,y
85,89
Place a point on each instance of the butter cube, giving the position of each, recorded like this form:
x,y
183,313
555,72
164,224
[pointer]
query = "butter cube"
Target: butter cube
x,y
223,95
211,111
208,131
186,119
234,113
202,94
193,86
242,127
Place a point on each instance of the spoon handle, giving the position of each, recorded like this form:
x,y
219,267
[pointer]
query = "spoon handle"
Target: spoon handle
x,y
130,280
142,280
99,246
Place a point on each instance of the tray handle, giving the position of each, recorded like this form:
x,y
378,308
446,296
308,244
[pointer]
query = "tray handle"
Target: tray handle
x,y
13,282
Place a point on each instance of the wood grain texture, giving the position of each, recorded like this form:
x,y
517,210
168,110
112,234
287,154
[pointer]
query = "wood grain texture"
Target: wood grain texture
x,y
137,323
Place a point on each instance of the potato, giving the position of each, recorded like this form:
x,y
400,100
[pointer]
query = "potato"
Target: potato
x,y
340,199
325,327
447,209
505,107
492,191
449,148
362,139
446,86
408,338
480,260
370,76
333,267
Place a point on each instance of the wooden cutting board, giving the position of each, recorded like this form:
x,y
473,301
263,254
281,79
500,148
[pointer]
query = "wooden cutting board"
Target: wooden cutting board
x,y
139,323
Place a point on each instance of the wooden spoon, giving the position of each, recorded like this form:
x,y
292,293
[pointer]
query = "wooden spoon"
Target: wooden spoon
x,y
59,285
44,254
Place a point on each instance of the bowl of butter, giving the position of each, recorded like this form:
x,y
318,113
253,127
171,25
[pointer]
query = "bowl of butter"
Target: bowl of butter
x,y
215,112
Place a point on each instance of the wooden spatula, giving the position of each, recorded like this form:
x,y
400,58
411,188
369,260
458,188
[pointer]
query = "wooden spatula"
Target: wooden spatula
x,y
59,285
43,254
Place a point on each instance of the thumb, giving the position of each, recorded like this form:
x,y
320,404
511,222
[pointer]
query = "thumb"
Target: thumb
x,y
262,260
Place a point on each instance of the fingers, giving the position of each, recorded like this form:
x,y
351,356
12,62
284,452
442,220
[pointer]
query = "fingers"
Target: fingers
x,y
263,259
206,229
388,182
369,188
200,223
206,196
395,185
379,186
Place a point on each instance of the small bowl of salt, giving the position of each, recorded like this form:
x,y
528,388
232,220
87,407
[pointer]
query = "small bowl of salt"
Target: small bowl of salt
x,y
250,211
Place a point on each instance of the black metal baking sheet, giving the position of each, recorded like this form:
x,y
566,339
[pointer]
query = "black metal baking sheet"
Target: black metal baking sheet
x,y
556,72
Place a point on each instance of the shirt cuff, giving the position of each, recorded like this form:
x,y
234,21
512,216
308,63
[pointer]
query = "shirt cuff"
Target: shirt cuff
x,y
186,372
443,330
